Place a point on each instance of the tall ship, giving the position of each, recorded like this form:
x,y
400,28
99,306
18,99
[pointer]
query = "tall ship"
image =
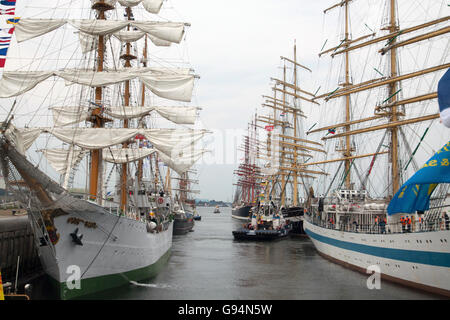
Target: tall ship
x,y
184,204
118,108
383,205
286,146
248,176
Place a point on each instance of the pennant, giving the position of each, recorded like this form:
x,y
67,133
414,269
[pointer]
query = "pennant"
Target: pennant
x,y
14,20
4,49
8,3
10,11
7,30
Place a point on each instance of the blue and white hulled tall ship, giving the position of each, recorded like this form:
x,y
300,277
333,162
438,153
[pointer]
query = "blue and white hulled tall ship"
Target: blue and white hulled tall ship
x,y
80,83
385,202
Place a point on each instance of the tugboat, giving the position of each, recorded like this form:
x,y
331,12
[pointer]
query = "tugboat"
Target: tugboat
x,y
267,224
216,209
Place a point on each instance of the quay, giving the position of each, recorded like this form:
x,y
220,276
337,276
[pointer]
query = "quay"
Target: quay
x,y
17,248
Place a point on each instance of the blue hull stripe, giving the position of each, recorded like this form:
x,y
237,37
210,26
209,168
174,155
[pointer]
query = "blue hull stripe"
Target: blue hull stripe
x,y
439,259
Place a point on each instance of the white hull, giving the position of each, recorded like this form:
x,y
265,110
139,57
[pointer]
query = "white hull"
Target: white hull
x,y
419,259
118,245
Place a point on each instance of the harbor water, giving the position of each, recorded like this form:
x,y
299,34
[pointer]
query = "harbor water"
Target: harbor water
x,y
208,264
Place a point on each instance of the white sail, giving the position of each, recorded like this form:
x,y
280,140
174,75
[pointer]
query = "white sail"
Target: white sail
x,y
63,116
152,6
63,159
22,138
29,28
181,162
179,115
129,36
165,140
159,42
170,86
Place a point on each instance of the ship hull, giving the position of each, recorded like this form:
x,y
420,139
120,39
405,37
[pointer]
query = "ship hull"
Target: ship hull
x,y
420,260
183,225
241,213
117,251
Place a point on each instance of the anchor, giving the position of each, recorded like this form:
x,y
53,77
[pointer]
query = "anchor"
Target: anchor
x,y
76,237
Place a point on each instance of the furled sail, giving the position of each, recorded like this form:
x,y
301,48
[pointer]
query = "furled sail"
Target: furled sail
x,y
183,161
165,140
152,6
63,159
63,116
170,86
29,28
22,139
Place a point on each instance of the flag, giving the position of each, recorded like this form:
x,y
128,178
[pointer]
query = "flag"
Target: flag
x,y
414,195
268,128
14,20
3,51
10,11
5,40
9,3
444,98
7,31
332,131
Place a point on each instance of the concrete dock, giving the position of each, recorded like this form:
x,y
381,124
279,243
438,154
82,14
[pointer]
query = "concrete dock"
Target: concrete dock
x,y
16,240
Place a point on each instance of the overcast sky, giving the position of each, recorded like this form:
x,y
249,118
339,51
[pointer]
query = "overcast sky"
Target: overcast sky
x,y
235,47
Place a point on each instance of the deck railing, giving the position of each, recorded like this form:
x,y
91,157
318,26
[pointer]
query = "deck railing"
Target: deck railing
x,y
426,225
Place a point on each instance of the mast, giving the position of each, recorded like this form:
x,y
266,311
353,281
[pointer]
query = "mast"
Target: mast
x,y
294,161
283,131
347,151
124,174
392,93
144,63
98,122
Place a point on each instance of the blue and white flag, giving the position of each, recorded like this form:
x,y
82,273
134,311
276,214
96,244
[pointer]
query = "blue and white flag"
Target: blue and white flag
x,y
444,98
414,195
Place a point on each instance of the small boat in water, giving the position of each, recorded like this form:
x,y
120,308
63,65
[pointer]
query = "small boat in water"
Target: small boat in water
x,y
197,217
267,224
216,209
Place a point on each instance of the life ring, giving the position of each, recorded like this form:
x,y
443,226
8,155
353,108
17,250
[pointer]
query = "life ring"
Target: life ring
x,y
160,200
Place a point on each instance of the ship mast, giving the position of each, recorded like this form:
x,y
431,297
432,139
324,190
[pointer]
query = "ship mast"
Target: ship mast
x,y
98,121
392,93
124,175
347,151
389,108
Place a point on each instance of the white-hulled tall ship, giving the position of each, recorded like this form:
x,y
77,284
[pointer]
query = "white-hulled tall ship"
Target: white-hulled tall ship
x,y
103,109
386,127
